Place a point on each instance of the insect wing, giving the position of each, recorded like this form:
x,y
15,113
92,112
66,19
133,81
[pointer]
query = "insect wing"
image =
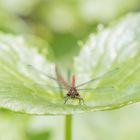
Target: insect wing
x,y
29,66
60,80
11,85
100,77
48,86
99,90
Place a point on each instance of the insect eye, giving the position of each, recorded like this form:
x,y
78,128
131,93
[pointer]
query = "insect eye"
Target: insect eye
x,y
77,94
68,94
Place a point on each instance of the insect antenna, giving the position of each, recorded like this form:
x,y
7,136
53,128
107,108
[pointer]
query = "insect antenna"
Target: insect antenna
x,y
100,77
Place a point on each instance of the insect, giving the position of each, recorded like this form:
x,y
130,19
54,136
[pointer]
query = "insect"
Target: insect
x,y
73,90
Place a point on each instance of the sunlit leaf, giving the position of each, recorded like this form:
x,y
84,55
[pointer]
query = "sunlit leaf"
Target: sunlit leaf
x,y
116,47
113,48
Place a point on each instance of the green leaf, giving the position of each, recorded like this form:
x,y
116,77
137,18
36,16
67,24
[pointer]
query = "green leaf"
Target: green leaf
x,y
116,47
24,89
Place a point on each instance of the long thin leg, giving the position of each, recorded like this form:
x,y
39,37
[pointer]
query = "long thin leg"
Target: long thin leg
x,y
80,99
83,101
66,98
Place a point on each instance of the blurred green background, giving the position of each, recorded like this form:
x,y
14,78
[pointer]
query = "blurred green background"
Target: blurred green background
x,y
61,27
61,23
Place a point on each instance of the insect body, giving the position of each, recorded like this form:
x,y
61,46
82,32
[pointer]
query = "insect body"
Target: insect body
x,y
73,90
73,93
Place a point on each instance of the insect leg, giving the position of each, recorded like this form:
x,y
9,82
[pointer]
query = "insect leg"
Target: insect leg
x,y
66,98
81,99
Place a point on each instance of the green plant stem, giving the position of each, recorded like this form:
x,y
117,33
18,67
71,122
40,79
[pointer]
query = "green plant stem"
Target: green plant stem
x,y
68,127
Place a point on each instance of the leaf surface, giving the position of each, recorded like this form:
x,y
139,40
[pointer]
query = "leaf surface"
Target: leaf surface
x,y
111,48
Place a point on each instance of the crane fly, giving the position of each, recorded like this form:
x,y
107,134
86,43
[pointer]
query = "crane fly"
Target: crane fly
x,y
72,92
73,89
